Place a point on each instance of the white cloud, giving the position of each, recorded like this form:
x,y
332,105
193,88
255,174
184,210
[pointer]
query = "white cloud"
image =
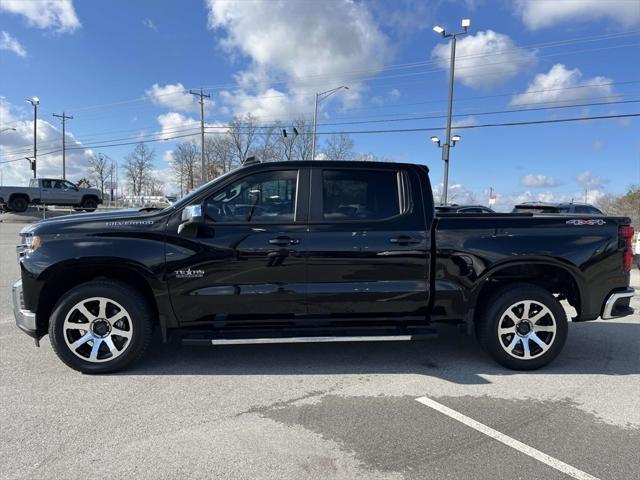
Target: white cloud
x,y
587,179
147,22
543,14
174,123
7,42
390,97
304,47
55,14
176,97
561,85
18,144
539,181
484,59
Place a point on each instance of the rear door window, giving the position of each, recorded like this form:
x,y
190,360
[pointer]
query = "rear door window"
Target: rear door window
x,y
360,194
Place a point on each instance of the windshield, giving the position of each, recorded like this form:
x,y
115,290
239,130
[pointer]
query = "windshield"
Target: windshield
x,y
194,193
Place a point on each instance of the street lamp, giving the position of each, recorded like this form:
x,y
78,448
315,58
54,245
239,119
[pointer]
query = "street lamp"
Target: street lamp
x,y
466,23
34,101
319,97
454,139
7,129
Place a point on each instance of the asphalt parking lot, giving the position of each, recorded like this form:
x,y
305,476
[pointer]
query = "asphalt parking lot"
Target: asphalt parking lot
x,y
322,411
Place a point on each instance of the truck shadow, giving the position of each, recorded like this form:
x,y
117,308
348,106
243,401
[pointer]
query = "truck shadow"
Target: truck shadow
x,y
607,348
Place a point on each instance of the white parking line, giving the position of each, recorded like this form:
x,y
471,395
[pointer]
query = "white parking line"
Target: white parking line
x,y
507,440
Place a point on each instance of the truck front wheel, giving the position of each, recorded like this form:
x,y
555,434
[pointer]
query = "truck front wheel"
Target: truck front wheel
x,y
523,327
18,204
100,327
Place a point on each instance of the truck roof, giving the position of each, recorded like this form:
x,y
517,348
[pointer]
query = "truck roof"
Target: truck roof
x,y
336,163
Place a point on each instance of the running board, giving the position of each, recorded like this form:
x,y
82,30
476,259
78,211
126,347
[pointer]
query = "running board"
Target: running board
x,y
326,339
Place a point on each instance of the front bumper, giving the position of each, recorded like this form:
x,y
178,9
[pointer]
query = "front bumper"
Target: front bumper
x,y
25,319
617,304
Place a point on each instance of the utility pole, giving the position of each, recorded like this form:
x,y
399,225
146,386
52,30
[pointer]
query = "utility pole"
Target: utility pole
x,y
64,145
466,23
34,101
319,97
202,96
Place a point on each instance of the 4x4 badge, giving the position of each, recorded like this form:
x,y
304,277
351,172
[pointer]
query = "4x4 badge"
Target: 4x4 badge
x,y
586,222
188,273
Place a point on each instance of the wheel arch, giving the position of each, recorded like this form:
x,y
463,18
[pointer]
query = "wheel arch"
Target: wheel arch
x,y
89,196
60,279
555,277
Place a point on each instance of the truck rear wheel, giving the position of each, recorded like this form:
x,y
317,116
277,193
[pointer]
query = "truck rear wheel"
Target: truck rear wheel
x,y
18,204
100,327
89,204
523,327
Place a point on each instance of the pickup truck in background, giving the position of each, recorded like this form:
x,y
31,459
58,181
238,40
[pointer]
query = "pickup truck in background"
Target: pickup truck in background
x,y
49,191
306,251
544,207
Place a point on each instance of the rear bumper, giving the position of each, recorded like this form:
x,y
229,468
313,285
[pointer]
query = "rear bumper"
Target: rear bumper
x,y
25,319
617,304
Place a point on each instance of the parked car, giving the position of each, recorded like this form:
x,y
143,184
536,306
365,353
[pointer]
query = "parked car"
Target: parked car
x,y
315,251
454,208
50,191
543,207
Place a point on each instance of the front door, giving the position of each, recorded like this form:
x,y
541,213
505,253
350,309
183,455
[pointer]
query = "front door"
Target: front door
x,y
368,245
246,264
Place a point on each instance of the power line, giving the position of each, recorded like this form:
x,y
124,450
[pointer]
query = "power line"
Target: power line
x,y
364,132
163,135
180,129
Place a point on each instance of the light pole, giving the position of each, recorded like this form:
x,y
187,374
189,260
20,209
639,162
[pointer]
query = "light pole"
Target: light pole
x,y
35,101
319,97
454,139
466,23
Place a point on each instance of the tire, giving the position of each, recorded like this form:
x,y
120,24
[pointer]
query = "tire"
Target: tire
x,y
89,204
542,329
18,204
122,337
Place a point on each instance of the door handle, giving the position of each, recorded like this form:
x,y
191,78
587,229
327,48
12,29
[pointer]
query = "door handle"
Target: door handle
x,y
404,240
284,241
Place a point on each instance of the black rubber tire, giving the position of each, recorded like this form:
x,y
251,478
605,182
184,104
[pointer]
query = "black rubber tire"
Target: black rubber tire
x,y
18,204
494,308
129,298
89,204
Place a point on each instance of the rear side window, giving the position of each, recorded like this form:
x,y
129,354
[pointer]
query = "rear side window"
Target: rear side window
x,y
45,183
360,194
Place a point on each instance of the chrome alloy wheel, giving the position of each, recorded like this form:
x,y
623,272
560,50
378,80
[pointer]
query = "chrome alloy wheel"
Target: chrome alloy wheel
x,y
97,329
527,329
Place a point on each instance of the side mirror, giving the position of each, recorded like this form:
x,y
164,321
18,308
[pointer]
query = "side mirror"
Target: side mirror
x,y
191,220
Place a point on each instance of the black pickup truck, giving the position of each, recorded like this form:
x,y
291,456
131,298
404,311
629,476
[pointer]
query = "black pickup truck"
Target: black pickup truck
x,y
315,251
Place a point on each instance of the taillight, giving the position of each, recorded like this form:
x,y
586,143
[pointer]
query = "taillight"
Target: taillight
x,y
625,233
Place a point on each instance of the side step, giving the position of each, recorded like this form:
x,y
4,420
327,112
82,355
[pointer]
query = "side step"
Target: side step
x,y
325,339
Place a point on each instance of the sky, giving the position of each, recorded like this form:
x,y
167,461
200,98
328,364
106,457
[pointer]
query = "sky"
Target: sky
x,y
123,70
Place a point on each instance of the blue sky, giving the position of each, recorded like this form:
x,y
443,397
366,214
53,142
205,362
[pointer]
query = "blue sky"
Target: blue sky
x,y
121,68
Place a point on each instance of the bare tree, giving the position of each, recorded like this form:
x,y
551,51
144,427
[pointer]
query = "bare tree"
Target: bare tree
x,y
137,167
184,165
303,145
154,186
100,167
242,131
338,147
219,155
627,205
267,148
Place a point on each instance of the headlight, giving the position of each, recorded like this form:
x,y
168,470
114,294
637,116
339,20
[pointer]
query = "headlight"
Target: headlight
x,y
30,243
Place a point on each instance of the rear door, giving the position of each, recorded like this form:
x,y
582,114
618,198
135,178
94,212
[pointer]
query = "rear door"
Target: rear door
x,y
368,246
